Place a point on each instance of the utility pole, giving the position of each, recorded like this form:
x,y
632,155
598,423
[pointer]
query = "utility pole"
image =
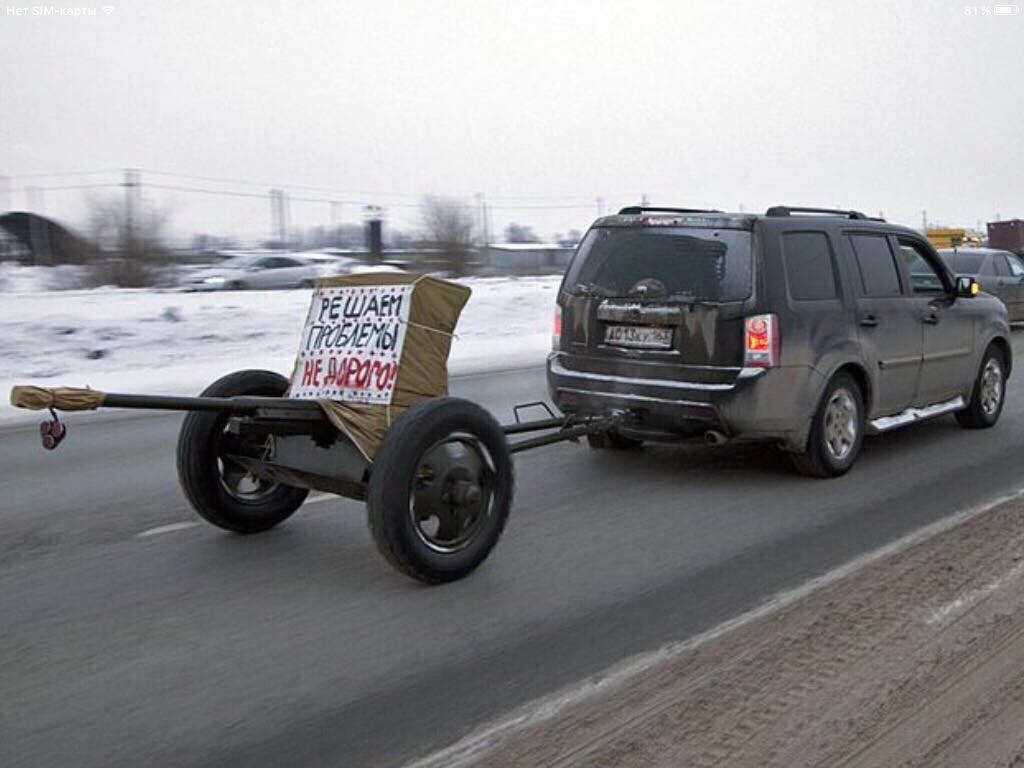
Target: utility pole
x,y
485,234
644,201
924,221
131,192
600,206
275,214
488,224
278,217
286,219
374,215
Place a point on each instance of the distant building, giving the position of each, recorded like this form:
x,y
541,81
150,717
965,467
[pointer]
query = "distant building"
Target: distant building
x,y
1007,235
524,258
33,239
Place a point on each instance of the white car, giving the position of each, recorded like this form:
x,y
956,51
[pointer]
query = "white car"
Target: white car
x,y
260,272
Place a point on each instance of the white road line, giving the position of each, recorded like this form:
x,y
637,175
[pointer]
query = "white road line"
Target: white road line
x,y
472,748
169,528
316,498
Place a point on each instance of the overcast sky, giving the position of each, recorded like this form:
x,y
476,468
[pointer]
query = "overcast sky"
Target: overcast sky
x,y
895,107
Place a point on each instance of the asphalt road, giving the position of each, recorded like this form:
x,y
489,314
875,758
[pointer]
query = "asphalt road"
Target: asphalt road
x,y
189,646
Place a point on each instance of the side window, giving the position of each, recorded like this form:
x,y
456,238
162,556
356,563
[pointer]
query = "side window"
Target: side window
x,y
876,264
987,268
809,270
1002,268
1016,268
924,279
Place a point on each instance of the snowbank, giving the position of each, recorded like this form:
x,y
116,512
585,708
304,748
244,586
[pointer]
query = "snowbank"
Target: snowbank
x,y
165,342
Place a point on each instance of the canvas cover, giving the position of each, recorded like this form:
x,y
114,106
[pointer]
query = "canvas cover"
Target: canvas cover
x,y
61,398
422,370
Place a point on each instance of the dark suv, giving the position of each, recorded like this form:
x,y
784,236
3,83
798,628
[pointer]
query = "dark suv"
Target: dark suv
x,y
802,327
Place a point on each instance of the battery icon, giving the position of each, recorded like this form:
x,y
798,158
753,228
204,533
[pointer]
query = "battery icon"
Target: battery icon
x,y
1005,10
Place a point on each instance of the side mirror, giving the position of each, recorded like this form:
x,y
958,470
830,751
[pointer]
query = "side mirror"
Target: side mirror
x,y
967,287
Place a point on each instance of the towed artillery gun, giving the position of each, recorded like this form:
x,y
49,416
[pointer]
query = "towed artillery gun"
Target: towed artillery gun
x,y
365,415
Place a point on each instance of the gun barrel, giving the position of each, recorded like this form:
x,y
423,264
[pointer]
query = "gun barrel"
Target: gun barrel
x,y
241,404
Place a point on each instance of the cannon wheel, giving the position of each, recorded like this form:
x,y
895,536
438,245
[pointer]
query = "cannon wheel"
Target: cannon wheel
x,y
440,489
220,490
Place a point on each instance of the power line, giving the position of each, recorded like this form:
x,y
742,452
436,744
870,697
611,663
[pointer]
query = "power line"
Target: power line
x,y
276,185
335,200
584,201
369,193
58,174
68,186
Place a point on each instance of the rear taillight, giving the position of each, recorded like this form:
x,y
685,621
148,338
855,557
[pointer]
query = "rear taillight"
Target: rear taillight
x,y
556,329
761,342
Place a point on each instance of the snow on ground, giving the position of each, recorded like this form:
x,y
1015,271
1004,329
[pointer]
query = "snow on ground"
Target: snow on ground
x,y
16,278
154,342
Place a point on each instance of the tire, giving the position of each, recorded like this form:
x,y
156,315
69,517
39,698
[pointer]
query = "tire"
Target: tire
x,y
201,472
600,441
404,478
983,412
823,458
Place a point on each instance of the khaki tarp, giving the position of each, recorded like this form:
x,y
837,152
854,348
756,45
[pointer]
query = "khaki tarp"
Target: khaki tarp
x,y
61,398
423,368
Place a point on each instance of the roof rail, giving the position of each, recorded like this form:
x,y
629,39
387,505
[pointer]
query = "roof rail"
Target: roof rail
x,y
632,210
787,210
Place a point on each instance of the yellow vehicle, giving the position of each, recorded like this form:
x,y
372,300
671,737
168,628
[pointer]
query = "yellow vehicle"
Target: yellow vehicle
x,y
952,237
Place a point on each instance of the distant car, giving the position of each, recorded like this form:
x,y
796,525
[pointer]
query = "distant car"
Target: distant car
x,y
1000,273
259,272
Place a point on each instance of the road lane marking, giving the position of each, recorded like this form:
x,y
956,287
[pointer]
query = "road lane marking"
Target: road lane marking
x,y
316,498
473,748
169,528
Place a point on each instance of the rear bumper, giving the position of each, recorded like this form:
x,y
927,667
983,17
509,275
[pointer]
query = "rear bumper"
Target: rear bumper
x,y
744,403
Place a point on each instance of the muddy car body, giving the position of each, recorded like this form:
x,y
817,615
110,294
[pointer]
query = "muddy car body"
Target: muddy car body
x,y
736,326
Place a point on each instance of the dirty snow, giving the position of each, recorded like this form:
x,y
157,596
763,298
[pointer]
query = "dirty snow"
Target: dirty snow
x,y
154,342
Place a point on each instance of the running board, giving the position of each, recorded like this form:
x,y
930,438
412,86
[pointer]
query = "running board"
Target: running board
x,y
909,416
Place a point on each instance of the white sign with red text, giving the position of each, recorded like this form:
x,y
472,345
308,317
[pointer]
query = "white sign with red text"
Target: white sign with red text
x,y
352,344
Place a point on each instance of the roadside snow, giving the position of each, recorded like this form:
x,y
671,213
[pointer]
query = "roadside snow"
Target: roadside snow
x,y
15,278
152,342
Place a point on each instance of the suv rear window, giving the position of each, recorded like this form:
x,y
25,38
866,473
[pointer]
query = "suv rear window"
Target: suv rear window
x,y
809,270
670,263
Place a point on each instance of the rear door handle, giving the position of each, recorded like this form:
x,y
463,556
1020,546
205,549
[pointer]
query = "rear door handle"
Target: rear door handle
x,y
869,320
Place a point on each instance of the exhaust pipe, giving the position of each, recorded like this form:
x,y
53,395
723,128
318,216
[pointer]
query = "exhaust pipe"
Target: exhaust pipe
x,y
714,437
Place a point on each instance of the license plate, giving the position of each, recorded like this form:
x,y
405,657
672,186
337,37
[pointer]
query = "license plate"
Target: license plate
x,y
639,336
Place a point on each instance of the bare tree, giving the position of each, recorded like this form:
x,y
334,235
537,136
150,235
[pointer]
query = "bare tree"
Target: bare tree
x,y
520,233
449,227
130,240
